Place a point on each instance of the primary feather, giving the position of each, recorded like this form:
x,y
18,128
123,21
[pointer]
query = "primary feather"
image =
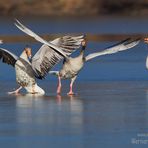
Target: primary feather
x,y
124,45
38,38
8,57
52,52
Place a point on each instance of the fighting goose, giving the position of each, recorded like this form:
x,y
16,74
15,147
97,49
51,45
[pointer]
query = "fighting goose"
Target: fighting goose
x,y
29,68
72,66
24,72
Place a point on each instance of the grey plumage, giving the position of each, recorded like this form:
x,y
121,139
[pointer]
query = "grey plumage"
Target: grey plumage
x,y
8,57
121,46
72,66
24,72
51,52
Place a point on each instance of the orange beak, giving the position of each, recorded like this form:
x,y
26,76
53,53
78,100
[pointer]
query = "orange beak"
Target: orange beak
x,y
83,43
146,40
28,52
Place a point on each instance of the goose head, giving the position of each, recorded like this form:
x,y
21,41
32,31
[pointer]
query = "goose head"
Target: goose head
x,y
28,53
83,43
146,40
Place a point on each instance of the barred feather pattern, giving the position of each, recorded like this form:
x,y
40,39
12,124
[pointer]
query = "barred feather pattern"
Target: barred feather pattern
x,y
44,60
68,44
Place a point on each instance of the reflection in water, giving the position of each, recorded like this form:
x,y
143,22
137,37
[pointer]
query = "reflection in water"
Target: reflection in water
x,y
110,113
27,100
48,117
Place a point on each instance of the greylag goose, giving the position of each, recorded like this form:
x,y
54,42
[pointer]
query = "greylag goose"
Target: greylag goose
x,y
24,72
29,68
146,41
72,66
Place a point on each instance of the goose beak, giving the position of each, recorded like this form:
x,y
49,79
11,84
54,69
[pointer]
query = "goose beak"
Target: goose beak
x,y
146,40
30,58
1,41
83,43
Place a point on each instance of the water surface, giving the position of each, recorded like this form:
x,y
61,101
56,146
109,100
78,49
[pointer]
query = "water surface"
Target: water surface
x,y
110,108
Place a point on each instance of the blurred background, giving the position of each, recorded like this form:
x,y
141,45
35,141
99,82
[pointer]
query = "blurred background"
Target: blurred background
x,y
74,7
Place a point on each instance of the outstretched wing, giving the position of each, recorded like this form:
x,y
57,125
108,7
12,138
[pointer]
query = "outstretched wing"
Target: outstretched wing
x,y
123,45
44,60
51,52
38,38
46,57
68,43
8,57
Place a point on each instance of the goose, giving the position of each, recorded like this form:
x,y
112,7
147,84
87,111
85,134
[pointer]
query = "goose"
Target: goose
x,y
146,41
24,72
29,68
72,66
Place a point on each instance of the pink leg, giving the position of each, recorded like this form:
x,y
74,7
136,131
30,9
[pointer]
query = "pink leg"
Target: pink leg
x,y
16,91
71,86
59,85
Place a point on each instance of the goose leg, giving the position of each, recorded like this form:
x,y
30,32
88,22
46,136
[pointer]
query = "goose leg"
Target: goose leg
x,y
16,91
59,85
71,86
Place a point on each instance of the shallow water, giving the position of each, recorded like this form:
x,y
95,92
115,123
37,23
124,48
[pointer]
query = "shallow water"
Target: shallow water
x,y
110,108
102,114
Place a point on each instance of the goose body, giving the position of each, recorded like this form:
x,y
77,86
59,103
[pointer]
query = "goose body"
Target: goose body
x,y
25,75
71,67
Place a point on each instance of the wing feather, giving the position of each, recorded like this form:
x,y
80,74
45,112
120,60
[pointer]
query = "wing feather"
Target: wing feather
x,y
8,57
124,45
52,52
44,60
68,43
38,38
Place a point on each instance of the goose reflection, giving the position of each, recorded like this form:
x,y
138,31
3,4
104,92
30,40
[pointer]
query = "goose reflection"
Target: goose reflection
x,y
45,110
28,100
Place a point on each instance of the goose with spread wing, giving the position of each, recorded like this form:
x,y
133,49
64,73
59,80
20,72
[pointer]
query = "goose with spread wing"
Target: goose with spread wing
x,y
72,66
24,72
29,68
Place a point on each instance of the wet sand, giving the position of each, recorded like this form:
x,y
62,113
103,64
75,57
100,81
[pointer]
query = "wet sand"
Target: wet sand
x,y
102,114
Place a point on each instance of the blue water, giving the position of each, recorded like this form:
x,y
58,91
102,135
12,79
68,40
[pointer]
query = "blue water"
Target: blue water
x,y
110,108
127,65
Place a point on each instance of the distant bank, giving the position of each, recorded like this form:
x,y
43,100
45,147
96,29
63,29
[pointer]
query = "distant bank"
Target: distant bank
x,y
73,7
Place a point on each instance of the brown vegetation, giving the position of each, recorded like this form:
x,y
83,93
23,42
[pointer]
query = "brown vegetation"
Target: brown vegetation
x,y
74,7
